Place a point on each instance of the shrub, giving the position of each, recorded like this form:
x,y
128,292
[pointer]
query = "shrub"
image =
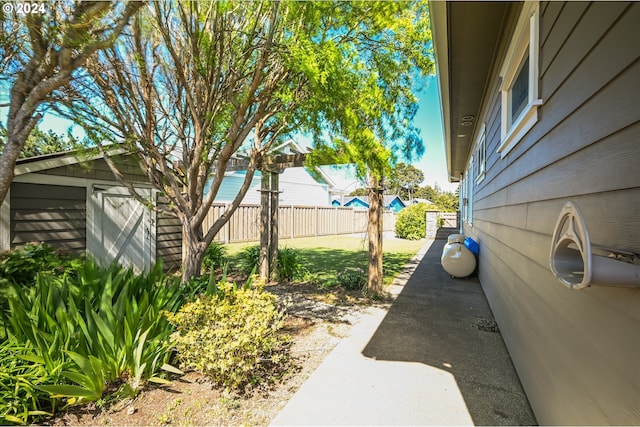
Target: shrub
x,y
21,266
411,222
215,256
232,337
352,279
290,263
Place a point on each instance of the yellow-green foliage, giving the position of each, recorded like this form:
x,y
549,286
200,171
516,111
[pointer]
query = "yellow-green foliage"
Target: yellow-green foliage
x,y
233,336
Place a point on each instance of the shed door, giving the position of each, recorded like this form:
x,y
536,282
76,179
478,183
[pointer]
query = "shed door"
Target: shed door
x,y
123,229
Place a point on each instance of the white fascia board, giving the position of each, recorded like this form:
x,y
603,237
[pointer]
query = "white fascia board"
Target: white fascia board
x,y
71,159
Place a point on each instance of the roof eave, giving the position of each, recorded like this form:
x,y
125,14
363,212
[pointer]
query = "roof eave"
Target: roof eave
x,y
439,22
466,39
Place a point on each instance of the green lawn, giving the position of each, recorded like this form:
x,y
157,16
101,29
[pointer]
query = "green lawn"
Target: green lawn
x,y
328,255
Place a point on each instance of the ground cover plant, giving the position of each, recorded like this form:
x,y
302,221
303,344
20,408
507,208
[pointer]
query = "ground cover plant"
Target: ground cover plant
x,y
80,332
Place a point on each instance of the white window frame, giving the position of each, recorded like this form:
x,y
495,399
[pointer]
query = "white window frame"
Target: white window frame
x,y
466,194
525,41
481,153
470,192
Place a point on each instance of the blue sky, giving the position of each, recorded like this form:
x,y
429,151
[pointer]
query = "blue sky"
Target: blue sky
x,y
433,162
428,120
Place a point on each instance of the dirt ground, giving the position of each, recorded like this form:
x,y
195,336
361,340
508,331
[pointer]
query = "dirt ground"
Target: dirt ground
x,y
316,322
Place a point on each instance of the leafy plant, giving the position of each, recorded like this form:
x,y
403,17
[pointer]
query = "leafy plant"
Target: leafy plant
x,y
21,266
21,374
352,279
248,259
215,256
411,223
232,337
291,265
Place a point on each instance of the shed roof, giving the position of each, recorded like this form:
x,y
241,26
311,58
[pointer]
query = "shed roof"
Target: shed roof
x,y
49,161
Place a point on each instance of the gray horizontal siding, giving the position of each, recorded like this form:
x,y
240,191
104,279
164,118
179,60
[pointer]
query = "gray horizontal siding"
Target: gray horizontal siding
x,y
577,352
168,237
98,169
52,214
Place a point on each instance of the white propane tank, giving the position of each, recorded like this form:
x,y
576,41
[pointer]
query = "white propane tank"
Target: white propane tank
x,y
457,260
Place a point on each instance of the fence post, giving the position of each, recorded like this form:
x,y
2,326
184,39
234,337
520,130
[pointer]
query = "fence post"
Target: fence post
x,y
432,224
316,221
265,189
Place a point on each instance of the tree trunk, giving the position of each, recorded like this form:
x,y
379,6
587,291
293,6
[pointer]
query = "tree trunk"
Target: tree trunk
x,y
374,229
193,250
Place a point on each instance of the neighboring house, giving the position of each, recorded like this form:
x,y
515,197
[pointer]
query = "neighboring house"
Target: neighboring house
x,y
425,201
72,202
300,186
541,106
390,203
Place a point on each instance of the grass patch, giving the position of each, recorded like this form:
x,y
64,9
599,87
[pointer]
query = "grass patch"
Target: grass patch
x,y
326,256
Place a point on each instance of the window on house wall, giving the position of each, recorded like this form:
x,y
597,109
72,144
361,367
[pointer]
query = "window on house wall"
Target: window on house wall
x,y
470,193
466,194
481,154
519,73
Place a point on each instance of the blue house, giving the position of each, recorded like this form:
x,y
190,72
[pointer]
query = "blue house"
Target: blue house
x,y
390,203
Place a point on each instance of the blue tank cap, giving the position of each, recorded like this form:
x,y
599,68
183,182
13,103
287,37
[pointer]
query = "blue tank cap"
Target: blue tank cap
x,y
472,245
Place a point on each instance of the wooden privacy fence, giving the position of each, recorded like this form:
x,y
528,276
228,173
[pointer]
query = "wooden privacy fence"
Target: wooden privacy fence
x,y
450,219
293,221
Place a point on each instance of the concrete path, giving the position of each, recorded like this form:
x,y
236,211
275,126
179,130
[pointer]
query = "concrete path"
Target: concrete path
x,y
434,357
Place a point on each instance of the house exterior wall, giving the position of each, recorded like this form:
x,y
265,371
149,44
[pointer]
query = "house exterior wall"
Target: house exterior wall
x,y
577,352
52,214
297,188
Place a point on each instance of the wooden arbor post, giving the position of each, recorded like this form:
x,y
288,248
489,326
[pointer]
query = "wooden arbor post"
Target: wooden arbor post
x,y
374,231
269,195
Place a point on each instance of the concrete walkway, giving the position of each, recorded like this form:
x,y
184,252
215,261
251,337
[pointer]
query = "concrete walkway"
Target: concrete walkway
x,y
434,357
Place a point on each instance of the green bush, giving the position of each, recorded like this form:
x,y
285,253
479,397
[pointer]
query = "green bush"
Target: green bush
x,y
290,264
21,266
248,259
352,279
90,327
215,256
232,336
411,222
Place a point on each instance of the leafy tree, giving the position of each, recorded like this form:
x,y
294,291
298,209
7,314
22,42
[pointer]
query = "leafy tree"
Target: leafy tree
x,y
40,142
359,192
426,192
40,52
193,84
371,95
404,179
447,202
